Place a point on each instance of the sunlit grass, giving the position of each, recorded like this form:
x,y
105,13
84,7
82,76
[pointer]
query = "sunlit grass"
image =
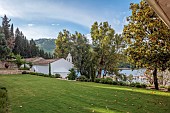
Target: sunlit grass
x,y
35,94
133,89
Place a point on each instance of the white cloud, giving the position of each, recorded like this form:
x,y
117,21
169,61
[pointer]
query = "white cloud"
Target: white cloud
x,y
37,32
36,9
55,24
30,25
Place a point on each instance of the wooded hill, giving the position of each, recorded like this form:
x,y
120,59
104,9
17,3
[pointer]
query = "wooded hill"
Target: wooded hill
x,y
48,45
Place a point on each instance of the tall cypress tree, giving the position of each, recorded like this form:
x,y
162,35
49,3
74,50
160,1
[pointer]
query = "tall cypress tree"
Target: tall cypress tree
x,y
9,35
17,46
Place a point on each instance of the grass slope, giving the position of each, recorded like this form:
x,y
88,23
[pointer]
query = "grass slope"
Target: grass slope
x,y
35,94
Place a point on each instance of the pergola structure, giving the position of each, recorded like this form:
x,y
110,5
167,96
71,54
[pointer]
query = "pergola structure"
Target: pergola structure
x,y
162,8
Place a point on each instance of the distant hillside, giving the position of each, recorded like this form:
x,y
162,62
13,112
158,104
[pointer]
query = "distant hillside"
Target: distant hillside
x,y
48,45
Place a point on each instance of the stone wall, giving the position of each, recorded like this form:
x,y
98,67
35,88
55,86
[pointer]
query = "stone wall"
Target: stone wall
x,y
11,65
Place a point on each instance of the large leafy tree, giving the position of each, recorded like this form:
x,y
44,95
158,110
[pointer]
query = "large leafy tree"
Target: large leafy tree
x,y
104,46
63,46
76,44
80,51
148,39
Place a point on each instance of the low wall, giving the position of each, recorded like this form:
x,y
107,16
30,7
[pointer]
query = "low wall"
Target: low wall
x,y
10,71
10,64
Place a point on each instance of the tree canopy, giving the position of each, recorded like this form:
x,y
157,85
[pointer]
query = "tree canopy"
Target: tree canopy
x,y
148,39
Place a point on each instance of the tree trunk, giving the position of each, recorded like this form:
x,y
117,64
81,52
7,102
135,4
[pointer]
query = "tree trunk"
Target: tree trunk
x,y
99,73
155,79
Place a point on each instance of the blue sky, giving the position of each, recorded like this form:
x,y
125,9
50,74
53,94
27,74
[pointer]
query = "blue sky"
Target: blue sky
x,y
45,18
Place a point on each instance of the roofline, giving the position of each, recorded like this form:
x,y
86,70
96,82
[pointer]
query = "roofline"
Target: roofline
x,y
157,8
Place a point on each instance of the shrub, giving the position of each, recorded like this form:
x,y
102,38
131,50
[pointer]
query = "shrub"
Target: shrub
x,y
87,80
114,83
24,72
3,100
143,85
137,84
168,88
72,75
132,84
32,73
44,75
162,86
57,75
121,83
103,80
81,78
108,80
52,76
97,80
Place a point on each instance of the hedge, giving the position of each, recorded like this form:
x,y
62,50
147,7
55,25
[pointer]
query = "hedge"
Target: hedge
x,y
3,100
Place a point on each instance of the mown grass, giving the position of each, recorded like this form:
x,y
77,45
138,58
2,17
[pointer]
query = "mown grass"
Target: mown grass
x,y
35,94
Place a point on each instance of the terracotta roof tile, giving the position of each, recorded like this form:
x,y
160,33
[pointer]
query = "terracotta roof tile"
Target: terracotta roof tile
x,y
40,60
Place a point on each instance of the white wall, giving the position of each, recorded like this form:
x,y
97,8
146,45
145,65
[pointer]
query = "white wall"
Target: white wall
x,y
41,69
61,67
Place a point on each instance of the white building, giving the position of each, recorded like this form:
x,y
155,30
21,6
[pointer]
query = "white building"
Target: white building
x,y
58,66
140,79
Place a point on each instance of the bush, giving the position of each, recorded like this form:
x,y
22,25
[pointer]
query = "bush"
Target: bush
x,y
169,88
143,85
87,80
44,75
114,83
132,84
121,83
24,68
137,84
81,78
3,100
108,80
57,75
32,73
72,75
24,72
103,80
97,80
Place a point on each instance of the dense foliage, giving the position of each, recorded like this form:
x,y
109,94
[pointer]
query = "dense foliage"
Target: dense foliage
x,y
103,54
3,100
148,39
72,75
80,49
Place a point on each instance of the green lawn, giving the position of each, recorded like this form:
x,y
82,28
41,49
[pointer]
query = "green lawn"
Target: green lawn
x,y
35,94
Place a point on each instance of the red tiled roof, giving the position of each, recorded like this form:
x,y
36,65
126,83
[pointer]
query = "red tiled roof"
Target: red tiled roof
x,y
40,60
44,61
